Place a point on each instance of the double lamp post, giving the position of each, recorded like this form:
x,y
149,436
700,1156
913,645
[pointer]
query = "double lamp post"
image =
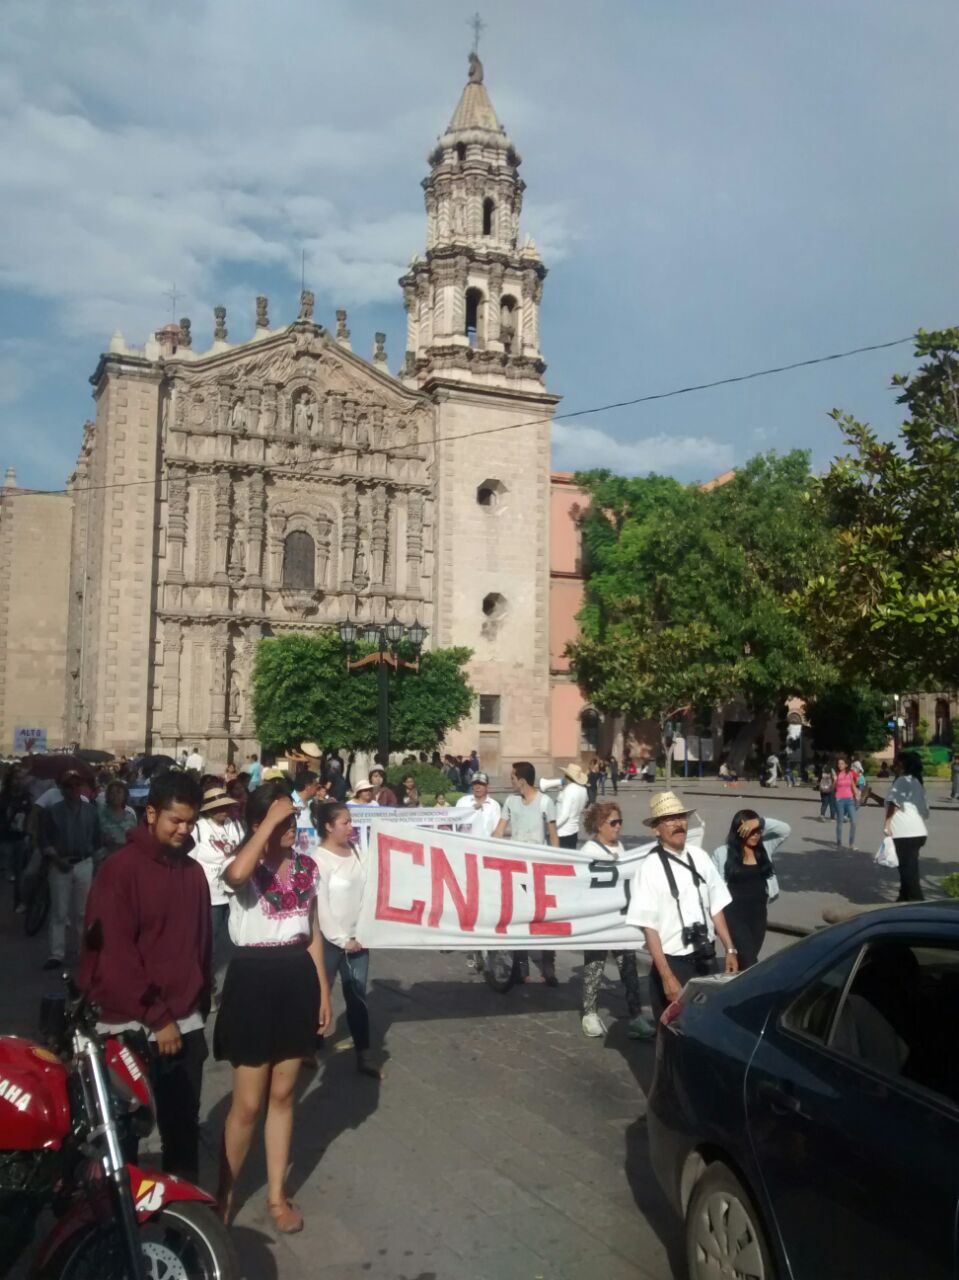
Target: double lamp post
x,y
386,636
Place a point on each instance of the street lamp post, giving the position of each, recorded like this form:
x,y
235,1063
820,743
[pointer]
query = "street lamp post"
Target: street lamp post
x,y
386,637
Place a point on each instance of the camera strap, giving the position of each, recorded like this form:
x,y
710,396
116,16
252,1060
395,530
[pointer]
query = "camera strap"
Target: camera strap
x,y
666,858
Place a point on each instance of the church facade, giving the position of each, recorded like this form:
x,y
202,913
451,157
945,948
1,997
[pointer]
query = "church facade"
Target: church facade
x,y
286,484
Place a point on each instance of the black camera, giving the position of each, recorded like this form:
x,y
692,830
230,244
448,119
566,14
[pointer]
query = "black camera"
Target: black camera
x,y
697,937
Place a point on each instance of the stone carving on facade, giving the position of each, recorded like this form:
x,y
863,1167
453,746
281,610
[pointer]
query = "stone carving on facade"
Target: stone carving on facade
x,y
348,536
342,332
378,534
219,647
238,416
237,563
221,525
203,531
262,312
266,423
186,337
307,302
219,325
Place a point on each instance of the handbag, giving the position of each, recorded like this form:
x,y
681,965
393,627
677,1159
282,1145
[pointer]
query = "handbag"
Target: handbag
x,y
886,854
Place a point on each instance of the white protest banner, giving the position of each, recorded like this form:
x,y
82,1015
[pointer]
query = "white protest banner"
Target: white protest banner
x,y
364,815
429,889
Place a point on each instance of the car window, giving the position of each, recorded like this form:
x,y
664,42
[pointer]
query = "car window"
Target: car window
x,y
900,1014
811,1013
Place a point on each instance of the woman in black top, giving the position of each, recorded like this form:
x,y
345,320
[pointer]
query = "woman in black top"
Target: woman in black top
x,y
745,863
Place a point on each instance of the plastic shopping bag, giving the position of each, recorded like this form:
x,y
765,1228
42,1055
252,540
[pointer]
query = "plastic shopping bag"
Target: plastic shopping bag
x,y
886,854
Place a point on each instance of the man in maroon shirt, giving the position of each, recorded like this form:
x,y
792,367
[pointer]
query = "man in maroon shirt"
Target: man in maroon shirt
x,y
146,957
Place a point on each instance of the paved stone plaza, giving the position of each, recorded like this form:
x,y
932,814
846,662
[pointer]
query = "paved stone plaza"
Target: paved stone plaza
x,y
502,1144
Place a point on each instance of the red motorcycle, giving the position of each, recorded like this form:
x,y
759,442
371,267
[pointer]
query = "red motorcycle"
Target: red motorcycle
x,y
65,1118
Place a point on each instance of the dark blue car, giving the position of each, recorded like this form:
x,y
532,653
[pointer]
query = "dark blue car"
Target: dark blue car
x,y
804,1117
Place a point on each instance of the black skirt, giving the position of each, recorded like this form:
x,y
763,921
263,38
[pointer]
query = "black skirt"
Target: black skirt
x,y
270,1007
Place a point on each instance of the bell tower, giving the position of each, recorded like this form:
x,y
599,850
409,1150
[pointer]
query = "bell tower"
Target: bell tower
x,y
473,345
472,303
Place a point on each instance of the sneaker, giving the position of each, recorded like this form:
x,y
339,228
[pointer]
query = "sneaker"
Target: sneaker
x,y
549,975
641,1028
593,1026
53,962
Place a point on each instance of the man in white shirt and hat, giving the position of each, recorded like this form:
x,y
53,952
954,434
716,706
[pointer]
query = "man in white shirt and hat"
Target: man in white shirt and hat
x,y
571,806
482,810
678,900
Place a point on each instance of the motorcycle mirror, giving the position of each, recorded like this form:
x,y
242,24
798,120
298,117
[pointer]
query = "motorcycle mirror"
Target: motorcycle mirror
x,y
53,1019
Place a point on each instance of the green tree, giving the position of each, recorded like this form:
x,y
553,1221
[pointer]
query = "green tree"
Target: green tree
x,y
885,603
849,717
685,593
302,691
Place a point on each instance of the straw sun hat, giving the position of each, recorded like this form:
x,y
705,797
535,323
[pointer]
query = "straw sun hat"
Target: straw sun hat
x,y
665,804
576,773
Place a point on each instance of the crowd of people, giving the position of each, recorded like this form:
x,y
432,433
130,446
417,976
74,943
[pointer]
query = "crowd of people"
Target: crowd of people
x,y
240,893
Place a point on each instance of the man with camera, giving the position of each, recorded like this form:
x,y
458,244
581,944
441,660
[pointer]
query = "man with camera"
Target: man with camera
x,y
677,900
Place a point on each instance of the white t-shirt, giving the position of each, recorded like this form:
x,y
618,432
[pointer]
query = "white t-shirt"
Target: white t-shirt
x,y
269,913
907,795
340,894
652,905
569,809
602,852
214,844
484,818
195,761
528,823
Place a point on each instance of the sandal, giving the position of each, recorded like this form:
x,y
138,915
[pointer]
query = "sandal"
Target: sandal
x,y
287,1220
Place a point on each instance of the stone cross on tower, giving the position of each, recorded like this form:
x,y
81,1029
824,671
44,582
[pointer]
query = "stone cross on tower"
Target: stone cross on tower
x,y
478,25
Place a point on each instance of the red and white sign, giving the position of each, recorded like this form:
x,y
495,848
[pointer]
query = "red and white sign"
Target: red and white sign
x,y
442,889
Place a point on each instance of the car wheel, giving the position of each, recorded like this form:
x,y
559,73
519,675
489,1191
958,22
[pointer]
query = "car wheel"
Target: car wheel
x,y
724,1235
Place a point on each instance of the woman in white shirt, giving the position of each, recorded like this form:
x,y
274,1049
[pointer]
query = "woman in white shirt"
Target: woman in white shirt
x,y
338,902
906,809
276,994
604,825
216,837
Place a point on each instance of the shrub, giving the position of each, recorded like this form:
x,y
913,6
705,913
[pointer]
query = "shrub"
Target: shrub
x,y
950,885
430,780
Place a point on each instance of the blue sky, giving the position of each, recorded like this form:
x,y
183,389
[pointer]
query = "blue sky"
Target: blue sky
x,y
716,187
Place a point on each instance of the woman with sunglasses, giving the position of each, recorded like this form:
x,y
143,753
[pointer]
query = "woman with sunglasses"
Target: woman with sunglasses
x,y
604,825
745,862
276,995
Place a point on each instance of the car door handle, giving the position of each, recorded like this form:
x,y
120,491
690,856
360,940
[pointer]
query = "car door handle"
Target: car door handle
x,y
778,1099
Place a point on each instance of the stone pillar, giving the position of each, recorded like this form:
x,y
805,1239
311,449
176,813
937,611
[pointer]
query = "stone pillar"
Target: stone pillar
x,y
277,525
414,540
409,304
348,538
493,303
324,542
378,535
426,327
219,646
221,527
349,423
172,648
254,530
176,523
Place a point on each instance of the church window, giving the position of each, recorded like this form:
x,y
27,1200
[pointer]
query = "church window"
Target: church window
x,y
489,208
299,561
489,708
474,311
490,493
494,605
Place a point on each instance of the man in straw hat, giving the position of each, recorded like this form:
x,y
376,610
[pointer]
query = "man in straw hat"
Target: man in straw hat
x,y
677,900
217,836
570,806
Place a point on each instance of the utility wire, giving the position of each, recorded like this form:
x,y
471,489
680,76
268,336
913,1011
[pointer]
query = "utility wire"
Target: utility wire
x,y
573,413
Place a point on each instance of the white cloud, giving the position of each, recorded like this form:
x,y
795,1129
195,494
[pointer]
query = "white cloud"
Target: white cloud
x,y
577,446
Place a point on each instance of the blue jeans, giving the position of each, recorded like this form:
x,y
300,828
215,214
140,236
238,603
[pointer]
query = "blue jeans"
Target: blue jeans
x,y
353,968
846,809
827,804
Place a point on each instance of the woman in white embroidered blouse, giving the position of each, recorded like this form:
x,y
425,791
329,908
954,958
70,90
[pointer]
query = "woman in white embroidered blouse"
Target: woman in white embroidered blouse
x,y
276,994
338,903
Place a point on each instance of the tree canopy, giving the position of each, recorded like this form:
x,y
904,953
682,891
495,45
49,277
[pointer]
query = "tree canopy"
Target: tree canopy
x,y
849,716
686,590
302,691
884,605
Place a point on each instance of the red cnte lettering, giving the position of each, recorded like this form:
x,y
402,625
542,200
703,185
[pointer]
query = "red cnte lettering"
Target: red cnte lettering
x,y
441,873
507,868
385,910
542,901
